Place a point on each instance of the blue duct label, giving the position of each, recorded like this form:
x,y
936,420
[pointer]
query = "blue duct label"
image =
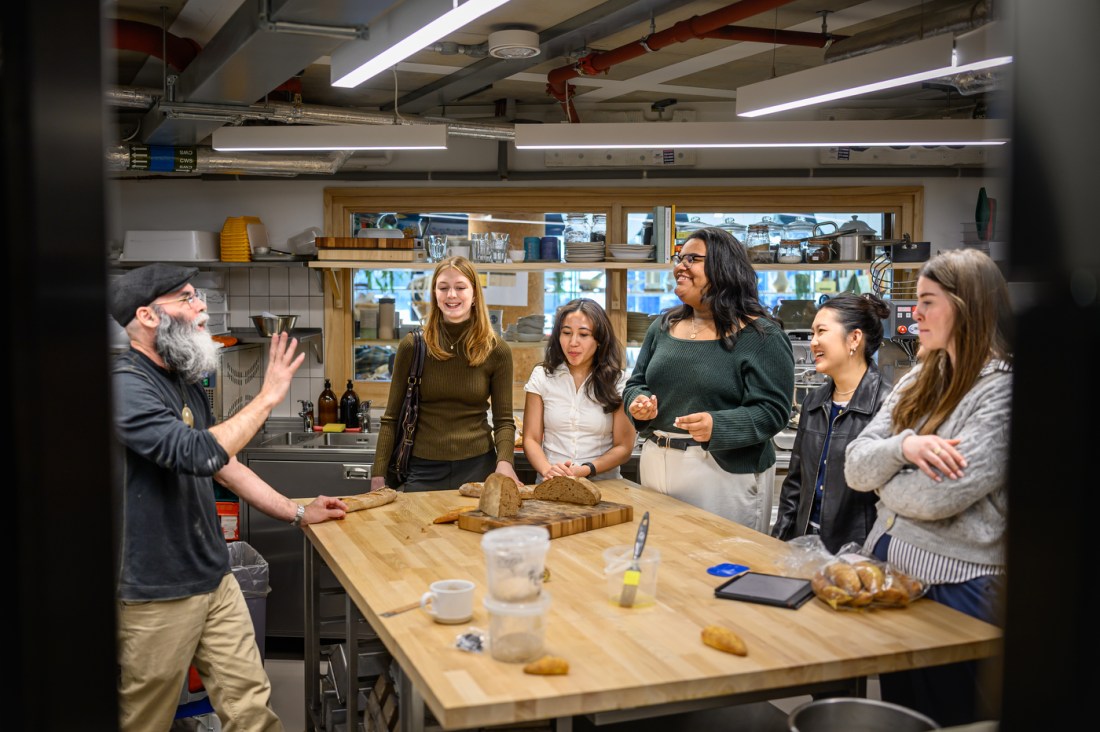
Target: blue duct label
x,y
163,158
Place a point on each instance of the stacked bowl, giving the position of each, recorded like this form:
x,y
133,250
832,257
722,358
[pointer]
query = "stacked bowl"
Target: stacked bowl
x,y
515,562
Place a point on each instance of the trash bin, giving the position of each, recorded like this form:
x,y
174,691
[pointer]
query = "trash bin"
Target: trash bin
x,y
855,714
253,574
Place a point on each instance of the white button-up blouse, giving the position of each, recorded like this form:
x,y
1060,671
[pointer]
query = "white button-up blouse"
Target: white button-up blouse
x,y
575,428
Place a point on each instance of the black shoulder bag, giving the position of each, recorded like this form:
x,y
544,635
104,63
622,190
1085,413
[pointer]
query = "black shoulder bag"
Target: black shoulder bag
x,y
398,471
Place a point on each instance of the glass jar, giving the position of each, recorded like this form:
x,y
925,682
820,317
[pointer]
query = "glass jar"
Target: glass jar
x,y
776,230
739,231
577,228
819,249
758,244
790,251
800,228
599,227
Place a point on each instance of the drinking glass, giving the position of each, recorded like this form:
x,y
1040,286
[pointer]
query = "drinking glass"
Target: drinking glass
x,y
499,247
437,247
482,251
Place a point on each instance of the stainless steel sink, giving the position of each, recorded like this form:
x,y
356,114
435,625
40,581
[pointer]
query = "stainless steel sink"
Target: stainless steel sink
x,y
360,440
287,439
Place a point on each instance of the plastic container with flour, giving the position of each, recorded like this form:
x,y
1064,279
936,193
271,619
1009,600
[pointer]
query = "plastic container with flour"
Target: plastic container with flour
x,y
515,557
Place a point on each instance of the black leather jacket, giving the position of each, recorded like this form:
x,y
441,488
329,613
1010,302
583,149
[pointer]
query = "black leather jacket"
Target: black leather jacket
x,y
846,515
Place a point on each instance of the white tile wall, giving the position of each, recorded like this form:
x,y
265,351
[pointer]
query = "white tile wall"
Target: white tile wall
x,y
282,290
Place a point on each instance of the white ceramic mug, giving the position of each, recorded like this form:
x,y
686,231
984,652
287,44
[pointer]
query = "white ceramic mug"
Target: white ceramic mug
x,y
449,601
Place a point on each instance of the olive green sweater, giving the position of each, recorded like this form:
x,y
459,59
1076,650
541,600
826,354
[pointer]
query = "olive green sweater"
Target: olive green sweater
x,y
747,391
454,403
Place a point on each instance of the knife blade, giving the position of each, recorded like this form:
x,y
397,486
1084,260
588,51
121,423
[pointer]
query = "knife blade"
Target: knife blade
x,y
633,575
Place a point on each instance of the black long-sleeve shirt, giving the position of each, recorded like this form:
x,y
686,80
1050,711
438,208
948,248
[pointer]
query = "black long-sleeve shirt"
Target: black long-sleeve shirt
x,y
172,544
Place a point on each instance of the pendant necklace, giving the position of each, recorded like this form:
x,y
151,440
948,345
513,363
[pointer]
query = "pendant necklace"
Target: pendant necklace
x,y
455,343
188,416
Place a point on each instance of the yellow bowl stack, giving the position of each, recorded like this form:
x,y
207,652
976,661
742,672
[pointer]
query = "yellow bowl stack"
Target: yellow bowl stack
x,y
234,239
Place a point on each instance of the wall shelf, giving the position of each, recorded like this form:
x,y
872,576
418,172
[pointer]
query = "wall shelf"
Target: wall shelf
x,y
215,264
593,266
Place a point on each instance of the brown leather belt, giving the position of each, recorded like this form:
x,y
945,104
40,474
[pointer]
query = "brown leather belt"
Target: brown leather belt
x,y
676,443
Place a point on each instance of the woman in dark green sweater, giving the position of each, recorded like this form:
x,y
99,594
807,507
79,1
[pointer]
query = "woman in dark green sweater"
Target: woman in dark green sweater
x,y
467,369
712,385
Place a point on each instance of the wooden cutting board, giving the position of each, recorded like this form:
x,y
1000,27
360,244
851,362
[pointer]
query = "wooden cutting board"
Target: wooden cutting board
x,y
561,519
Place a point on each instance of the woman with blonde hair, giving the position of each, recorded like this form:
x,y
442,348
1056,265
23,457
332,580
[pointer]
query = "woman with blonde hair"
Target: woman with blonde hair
x,y
937,456
467,371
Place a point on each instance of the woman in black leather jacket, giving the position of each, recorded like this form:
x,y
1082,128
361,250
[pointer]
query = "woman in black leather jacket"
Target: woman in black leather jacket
x,y
815,499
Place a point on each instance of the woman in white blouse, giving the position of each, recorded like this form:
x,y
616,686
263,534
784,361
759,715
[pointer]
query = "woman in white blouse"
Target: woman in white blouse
x,y
573,419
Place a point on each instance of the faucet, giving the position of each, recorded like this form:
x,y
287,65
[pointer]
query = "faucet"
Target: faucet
x,y
307,415
364,415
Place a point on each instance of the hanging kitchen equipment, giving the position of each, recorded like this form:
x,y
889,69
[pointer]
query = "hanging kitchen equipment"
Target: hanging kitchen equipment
x,y
850,240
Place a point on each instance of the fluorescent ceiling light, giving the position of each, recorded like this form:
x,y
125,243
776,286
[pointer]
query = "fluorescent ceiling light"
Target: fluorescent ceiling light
x,y
931,58
418,23
896,133
331,137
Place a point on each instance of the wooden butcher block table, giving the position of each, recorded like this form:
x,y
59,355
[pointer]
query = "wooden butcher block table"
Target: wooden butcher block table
x,y
620,658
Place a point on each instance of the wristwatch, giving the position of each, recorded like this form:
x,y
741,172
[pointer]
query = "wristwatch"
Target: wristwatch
x,y
298,516
591,468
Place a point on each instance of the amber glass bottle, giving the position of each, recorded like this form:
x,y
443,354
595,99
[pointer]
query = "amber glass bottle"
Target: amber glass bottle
x,y
327,406
349,407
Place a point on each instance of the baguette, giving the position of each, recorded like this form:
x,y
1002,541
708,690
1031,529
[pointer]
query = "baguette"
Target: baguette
x,y
569,490
500,497
374,499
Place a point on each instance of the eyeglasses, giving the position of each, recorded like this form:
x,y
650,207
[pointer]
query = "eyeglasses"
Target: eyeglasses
x,y
189,298
688,259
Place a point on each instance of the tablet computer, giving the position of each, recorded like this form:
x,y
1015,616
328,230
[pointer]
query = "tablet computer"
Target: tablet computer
x,y
767,589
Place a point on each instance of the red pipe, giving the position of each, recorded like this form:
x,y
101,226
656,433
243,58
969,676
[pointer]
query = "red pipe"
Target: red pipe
x,y
695,27
130,35
764,35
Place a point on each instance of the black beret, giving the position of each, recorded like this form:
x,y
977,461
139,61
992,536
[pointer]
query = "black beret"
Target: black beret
x,y
139,287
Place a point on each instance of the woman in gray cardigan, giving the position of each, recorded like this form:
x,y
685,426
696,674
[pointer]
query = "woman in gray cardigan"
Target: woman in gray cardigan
x,y
936,455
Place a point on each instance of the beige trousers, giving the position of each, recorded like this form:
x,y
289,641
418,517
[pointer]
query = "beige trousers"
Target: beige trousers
x,y
694,477
157,641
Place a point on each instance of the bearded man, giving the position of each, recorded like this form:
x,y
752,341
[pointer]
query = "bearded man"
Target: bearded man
x,y
178,602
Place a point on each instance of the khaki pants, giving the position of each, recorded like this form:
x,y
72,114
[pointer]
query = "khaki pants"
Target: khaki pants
x,y
157,641
694,477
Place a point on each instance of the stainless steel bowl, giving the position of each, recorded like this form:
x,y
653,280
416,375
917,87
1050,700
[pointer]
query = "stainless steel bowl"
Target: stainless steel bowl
x,y
268,327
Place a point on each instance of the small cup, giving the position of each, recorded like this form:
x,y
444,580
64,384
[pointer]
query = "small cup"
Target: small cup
x,y
616,561
515,557
517,630
516,255
449,601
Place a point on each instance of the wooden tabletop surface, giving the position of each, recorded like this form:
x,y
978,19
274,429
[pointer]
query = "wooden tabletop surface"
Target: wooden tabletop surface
x,y
619,658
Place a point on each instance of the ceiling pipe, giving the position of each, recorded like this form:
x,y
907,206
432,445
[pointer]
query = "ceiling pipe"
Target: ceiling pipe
x,y
693,28
765,35
130,35
930,22
122,158
289,113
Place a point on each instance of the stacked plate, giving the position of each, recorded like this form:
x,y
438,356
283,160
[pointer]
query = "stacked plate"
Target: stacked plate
x,y
235,246
584,251
631,252
528,329
636,326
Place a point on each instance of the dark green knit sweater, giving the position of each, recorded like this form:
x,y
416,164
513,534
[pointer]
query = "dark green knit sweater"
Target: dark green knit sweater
x,y
747,390
454,404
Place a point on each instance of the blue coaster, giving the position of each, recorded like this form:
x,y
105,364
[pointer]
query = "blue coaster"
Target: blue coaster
x,y
727,569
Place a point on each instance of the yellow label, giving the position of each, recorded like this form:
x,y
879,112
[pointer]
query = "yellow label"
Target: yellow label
x,y
632,577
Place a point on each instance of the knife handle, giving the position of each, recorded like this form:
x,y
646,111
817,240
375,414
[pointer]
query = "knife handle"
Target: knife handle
x,y
639,540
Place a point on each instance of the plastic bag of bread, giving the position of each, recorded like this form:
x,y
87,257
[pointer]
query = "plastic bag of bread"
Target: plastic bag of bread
x,y
853,582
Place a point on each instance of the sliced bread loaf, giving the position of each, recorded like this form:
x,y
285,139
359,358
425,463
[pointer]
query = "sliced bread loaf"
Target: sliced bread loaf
x,y
569,490
499,497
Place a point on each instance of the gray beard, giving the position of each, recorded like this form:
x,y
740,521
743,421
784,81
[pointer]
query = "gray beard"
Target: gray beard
x,y
189,352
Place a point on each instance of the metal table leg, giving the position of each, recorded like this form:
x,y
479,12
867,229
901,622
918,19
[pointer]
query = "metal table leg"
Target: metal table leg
x,y
312,648
410,707
351,635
